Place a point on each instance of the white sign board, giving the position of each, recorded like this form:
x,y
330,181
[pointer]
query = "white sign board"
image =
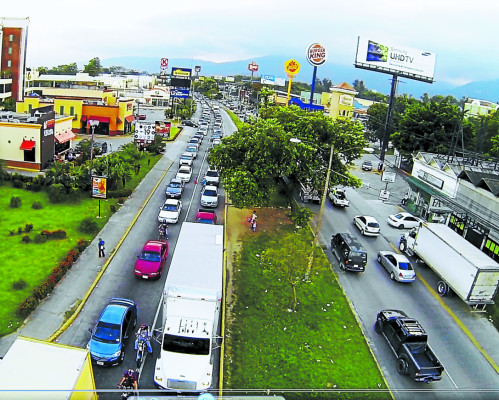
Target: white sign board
x,y
272,80
229,79
389,58
388,176
144,132
384,194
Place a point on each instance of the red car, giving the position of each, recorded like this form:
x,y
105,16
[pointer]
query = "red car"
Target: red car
x,y
152,259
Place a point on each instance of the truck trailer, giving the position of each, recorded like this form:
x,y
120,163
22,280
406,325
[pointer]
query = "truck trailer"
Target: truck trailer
x,y
462,267
191,310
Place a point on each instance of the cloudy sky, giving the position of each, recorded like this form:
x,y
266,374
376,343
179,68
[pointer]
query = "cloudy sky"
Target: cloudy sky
x,y
462,33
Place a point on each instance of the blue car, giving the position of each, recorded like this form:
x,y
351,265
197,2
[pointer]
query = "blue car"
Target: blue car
x,y
109,337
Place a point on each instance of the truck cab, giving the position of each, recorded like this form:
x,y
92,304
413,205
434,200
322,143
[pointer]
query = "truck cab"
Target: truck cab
x,y
409,342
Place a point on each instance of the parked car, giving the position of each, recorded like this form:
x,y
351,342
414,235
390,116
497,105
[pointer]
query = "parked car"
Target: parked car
x,y
349,252
367,165
397,265
212,177
194,140
188,122
169,212
209,196
367,225
184,173
186,159
175,189
111,333
206,216
404,220
193,150
151,260
199,136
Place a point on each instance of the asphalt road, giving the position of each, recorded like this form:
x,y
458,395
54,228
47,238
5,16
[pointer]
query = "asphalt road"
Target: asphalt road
x,y
119,280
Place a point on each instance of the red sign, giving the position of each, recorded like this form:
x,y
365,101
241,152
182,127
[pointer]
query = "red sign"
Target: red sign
x,y
253,66
164,63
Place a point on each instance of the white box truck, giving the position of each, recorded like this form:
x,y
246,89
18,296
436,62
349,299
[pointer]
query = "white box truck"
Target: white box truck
x,y
462,267
191,310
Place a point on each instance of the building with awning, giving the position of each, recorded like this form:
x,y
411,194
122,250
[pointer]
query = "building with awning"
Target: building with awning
x,y
40,370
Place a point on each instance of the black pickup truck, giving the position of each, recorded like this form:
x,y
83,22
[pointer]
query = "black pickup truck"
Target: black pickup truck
x,y
409,342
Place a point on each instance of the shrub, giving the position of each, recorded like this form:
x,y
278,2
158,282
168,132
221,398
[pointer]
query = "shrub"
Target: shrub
x,y
40,238
12,233
81,245
28,227
15,202
88,225
27,307
37,205
19,285
33,186
125,192
300,215
57,193
58,234
112,207
121,201
17,184
20,230
26,239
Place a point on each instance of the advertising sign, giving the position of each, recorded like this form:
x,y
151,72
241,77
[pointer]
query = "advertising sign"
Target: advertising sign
x,y
99,187
346,100
197,68
48,127
229,79
316,54
164,65
144,132
181,72
272,80
163,128
218,77
179,93
253,66
292,67
393,59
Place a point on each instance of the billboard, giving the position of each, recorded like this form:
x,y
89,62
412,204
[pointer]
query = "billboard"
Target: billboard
x,y
144,132
181,72
229,79
272,80
163,128
393,59
99,187
179,93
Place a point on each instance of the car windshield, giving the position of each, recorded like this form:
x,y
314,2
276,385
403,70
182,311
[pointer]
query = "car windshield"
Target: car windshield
x,y
169,207
175,185
340,195
185,158
174,189
367,163
212,173
106,332
148,255
210,192
358,254
186,345
373,225
183,171
191,149
405,266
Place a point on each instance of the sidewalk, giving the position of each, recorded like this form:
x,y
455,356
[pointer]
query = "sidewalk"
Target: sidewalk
x,y
49,315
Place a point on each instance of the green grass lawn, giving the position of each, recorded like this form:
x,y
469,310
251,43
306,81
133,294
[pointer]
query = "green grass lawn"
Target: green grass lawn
x,y
235,119
34,262
318,346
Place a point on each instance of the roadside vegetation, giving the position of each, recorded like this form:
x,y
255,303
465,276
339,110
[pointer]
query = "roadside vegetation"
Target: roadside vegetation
x,y
292,332
45,218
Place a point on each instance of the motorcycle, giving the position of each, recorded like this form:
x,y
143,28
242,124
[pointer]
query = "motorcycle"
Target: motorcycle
x,y
128,391
163,231
141,347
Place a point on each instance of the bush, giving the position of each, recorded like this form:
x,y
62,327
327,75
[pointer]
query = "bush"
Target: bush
x,y
125,192
26,239
33,186
17,184
19,285
27,307
57,193
121,201
20,230
15,202
81,245
40,238
58,234
112,207
28,228
12,233
88,225
300,215
37,205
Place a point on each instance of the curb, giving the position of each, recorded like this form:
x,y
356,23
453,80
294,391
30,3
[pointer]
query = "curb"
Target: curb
x,y
71,319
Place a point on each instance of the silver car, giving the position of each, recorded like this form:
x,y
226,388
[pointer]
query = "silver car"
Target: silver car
x,y
397,265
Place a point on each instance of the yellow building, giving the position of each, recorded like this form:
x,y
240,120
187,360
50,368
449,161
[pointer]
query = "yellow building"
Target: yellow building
x,y
341,101
36,369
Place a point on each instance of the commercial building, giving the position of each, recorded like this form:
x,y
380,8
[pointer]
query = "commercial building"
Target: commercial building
x,y
341,101
477,108
13,40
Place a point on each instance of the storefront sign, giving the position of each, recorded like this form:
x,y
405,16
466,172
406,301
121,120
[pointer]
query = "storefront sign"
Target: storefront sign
x,y
253,66
48,127
316,54
292,67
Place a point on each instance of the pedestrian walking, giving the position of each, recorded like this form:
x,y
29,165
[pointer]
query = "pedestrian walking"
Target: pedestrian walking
x,y
101,248
253,225
405,199
254,216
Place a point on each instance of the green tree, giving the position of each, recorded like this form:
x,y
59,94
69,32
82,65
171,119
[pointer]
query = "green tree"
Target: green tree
x,y
359,86
93,68
376,120
9,104
64,69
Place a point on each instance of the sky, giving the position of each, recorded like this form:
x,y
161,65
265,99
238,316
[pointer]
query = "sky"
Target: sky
x,y
462,33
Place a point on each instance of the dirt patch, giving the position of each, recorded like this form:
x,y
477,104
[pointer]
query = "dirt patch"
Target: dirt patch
x,y
237,228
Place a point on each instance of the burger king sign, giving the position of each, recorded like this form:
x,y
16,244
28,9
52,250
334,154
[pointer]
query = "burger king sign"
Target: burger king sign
x,y
316,54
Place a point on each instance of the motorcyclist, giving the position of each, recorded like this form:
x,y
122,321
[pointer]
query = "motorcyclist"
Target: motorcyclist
x,y
144,334
163,229
129,379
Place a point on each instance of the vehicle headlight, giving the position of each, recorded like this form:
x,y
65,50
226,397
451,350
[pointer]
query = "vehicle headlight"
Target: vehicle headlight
x,y
116,355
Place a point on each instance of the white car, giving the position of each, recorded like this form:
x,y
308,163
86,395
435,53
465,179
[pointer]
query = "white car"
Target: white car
x,y
170,211
397,265
186,159
193,150
209,196
212,177
184,173
367,225
404,220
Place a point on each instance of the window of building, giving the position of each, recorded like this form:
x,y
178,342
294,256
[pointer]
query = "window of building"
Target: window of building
x,y
11,37
491,248
61,110
29,155
71,110
9,50
9,63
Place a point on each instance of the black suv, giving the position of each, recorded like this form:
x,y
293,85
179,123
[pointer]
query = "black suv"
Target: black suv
x,y
349,252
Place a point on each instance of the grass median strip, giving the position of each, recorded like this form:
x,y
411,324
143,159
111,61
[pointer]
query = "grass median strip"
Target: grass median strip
x,y
286,332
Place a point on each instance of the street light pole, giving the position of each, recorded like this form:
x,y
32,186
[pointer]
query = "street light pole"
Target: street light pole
x,y
93,123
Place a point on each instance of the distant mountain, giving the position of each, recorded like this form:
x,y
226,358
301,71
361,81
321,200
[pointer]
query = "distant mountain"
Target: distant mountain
x,y
274,65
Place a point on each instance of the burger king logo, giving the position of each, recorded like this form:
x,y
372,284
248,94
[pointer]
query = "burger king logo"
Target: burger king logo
x,y
316,54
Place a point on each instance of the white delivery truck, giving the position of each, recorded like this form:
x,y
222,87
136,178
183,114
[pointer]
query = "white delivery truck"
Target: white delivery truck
x,y
462,267
191,310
